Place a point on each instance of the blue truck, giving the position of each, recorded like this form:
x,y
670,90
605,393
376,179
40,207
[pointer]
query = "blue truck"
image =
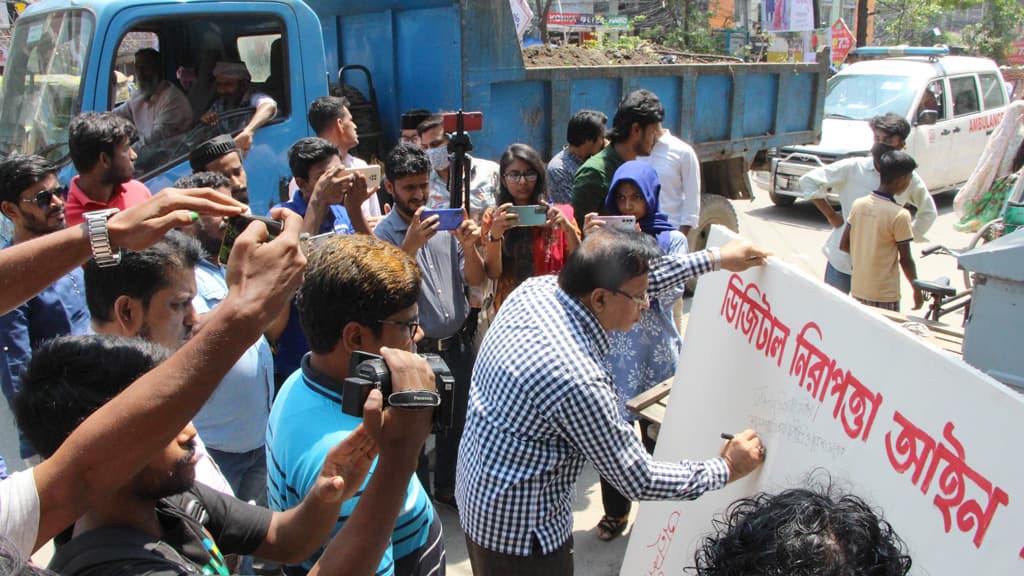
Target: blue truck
x,y
66,57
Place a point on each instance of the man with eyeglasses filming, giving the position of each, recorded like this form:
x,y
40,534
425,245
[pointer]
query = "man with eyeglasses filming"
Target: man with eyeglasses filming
x,y
542,402
33,200
358,294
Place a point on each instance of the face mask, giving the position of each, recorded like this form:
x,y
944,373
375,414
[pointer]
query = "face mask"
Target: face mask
x,y
438,157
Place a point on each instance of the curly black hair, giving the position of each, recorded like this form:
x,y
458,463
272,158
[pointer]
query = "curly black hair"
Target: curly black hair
x,y
802,532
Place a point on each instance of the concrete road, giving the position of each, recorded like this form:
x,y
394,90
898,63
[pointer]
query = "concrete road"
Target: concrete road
x,y
795,234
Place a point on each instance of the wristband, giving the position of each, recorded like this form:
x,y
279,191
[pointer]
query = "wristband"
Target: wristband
x,y
415,399
492,239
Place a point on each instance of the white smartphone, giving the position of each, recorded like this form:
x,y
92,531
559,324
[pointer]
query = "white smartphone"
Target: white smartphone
x,y
372,173
624,223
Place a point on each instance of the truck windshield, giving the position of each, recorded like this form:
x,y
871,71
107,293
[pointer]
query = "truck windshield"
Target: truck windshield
x,y
861,97
42,83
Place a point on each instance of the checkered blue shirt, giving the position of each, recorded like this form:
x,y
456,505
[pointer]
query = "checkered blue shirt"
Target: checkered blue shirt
x,y
541,402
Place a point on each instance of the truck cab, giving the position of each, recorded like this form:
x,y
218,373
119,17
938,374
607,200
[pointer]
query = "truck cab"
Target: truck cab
x,y
68,57
953,103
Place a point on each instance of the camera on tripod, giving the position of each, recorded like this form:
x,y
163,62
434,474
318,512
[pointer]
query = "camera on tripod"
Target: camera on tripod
x,y
369,371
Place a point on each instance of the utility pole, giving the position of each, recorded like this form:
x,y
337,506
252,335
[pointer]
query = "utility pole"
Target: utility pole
x,y
862,22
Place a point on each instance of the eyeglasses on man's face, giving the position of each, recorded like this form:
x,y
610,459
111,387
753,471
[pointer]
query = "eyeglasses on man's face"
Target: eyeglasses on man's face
x,y
642,301
412,326
43,198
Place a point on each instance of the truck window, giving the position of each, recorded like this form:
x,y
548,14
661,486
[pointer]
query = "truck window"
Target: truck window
x,y
993,92
42,83
264,56
965,95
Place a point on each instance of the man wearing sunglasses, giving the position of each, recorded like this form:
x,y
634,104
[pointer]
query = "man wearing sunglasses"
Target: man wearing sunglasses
x,y
33,200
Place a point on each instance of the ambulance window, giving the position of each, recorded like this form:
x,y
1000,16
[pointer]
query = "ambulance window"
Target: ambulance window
x,y
993,92
965,95
933,99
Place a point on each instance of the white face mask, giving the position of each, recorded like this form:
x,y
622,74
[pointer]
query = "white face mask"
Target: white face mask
x,y
438,157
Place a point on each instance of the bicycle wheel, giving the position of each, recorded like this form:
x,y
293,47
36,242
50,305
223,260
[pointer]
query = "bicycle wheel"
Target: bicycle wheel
x,y
990,231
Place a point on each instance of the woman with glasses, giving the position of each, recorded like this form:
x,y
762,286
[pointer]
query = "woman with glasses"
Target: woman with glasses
x,y
646,355
514,253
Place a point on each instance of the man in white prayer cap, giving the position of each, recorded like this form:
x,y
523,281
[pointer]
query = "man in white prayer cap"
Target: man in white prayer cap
x,y
235,91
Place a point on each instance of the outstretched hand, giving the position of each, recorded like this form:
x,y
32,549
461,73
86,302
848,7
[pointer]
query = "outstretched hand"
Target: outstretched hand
x,y
738,255
346,466
142,225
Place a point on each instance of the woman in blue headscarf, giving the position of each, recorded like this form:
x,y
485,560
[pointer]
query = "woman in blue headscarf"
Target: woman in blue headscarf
x,y
646,355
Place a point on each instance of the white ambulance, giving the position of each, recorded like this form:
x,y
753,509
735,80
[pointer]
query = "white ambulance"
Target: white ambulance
x,y
953,104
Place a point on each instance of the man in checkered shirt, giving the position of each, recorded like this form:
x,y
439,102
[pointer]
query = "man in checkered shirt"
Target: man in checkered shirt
x,y
541,403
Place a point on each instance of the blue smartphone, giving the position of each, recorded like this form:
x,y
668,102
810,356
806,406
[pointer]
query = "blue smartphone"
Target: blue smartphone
x,y
448,218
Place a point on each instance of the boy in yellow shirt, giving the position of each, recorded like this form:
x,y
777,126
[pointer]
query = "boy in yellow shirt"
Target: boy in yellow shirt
x,y
878,237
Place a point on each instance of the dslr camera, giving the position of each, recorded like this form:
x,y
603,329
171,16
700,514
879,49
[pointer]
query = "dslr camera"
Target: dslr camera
x,y
369,371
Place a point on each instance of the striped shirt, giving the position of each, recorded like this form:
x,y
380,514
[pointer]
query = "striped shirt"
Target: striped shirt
x,y
541,403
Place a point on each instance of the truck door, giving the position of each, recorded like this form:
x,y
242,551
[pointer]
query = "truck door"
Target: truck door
x,y
189,45
926,144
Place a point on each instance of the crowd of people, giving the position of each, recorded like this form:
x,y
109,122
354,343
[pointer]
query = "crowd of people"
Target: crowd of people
x,y
182,407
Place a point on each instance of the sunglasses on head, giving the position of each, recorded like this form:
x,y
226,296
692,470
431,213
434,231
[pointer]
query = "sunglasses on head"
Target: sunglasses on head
x,y
43,198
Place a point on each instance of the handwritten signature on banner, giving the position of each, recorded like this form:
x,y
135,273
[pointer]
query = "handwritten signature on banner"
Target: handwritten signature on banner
x,y
662,544
856,407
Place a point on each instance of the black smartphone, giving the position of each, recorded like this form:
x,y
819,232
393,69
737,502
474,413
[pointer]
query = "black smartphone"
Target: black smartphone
x,y
236,225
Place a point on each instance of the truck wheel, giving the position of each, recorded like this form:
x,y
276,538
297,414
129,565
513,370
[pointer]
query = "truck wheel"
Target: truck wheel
x,y
780,199
714,209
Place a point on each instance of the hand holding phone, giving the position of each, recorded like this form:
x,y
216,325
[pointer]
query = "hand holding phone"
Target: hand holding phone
x,y
531,215
448,218
624,223
235,225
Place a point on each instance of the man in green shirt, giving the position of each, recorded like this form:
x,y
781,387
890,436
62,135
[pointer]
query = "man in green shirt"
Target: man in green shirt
x,y
635,130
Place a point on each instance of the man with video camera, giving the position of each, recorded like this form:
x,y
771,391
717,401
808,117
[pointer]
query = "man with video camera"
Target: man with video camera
x,y
359,294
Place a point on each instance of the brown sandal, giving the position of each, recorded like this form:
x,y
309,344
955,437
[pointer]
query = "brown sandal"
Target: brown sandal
x,y
610,527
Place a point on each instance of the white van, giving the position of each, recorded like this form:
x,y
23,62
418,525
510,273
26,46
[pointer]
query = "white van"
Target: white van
x,y
953,104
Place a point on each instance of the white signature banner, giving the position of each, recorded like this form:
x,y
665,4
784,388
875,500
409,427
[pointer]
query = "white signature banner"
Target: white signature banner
x,y
829,385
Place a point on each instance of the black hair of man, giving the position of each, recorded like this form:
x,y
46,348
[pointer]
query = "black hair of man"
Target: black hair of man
x,y
892,124
70,377
430,123
405,160
412,118
802,532
585,126
140,274
95,133
148,53
307,152
607,258
356,278
211,150
640,107
18,172
213,180
324,110
895,164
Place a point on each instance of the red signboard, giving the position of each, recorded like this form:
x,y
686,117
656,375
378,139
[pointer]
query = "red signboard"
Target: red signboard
x,y
842,41
571,19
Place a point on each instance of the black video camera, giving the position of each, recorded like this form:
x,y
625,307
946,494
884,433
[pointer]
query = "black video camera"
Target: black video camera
x,y
369,371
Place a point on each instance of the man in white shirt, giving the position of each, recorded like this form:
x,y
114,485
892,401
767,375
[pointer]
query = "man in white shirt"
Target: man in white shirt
x,y
852,178
678,171
158,108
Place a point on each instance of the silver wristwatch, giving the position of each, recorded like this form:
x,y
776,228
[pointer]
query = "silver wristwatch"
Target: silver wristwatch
x,y
102,252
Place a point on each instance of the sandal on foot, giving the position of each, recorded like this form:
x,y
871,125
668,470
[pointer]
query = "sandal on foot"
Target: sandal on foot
x,y
610,527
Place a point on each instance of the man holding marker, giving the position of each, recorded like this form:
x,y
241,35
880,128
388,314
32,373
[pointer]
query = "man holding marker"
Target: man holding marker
x,y
542,402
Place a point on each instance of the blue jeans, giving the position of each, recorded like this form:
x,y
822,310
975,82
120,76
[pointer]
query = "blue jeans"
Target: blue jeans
x,y
836,279
246,472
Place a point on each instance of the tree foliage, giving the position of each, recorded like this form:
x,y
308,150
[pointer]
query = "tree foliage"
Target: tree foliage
x,y
994,35
907,22
691,31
